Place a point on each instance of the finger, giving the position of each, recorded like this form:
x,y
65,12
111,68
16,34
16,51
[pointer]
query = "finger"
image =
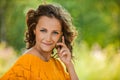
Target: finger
x,y
62,51
64,54
60,44
63,39
58,50
59,54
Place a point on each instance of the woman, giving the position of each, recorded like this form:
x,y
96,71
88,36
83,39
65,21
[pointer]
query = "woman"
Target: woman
x,y
49,28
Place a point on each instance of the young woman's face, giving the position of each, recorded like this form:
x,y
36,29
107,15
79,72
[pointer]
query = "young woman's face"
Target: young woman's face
x,y
47,32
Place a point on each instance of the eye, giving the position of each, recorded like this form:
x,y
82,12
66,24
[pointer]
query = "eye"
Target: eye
x,y
42,30
55,32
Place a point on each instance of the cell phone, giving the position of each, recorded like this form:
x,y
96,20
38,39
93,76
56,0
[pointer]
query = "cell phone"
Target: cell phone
x,y
60,40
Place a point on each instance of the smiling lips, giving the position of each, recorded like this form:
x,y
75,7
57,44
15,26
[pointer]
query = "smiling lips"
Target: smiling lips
x,y
47,44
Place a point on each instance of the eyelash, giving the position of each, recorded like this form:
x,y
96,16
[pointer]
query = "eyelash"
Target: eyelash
x,y
42,30
55,32
45,31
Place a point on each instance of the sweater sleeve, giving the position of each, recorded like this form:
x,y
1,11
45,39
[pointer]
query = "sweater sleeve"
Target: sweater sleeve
x,y
64,70
19,71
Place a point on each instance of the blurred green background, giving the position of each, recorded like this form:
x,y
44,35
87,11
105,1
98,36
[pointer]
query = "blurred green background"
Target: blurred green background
x,y
96,49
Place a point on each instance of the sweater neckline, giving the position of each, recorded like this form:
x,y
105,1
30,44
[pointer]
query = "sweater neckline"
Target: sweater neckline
x,y
39,58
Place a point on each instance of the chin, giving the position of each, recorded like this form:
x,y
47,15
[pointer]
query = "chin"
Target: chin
x,y
47,50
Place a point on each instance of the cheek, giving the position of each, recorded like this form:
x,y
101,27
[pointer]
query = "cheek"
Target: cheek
x,y
55,39
38,37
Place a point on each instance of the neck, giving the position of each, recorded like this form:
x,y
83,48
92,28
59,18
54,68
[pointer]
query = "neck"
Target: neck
x,y
42,54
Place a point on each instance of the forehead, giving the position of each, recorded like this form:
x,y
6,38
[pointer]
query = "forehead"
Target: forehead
x,y
49,23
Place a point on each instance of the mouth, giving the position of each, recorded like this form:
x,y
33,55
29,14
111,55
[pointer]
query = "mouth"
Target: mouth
x,y
47,44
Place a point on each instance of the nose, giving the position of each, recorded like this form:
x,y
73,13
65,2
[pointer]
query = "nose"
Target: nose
x,y
48,38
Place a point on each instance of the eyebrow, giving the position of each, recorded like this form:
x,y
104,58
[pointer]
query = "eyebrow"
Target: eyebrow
x,y
53,30
42,28
57,30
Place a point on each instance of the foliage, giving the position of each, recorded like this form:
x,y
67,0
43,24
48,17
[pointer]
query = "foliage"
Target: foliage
x,y
97,63
96,20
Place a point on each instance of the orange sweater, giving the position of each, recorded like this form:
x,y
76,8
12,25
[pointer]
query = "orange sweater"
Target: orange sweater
x,y
30,67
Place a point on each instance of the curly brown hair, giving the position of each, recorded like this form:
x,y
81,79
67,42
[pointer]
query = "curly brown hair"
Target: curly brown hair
x,y
50,10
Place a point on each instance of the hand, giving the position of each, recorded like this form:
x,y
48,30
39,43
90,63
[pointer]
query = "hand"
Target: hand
x,y
65,55
63,52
